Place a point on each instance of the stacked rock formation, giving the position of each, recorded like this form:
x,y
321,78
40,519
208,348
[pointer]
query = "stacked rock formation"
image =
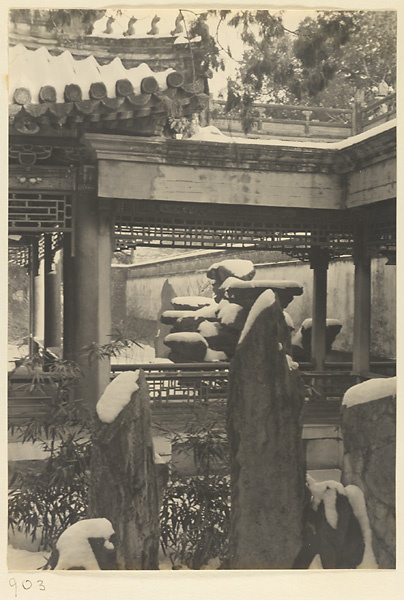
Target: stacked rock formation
x,y
301,341
369,430
208,329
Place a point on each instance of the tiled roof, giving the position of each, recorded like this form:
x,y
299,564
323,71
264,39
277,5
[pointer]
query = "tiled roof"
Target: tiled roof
x,y
62,89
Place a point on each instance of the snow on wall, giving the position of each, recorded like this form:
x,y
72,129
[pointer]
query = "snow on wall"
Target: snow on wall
x,y
263,301
74,547
117,395
368,391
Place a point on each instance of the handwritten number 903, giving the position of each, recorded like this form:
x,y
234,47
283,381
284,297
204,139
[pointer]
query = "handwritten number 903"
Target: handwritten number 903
x,y
26,585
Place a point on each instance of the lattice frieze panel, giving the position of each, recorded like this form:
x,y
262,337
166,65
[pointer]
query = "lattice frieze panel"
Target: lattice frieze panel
x,y
19,255
36,212
207,227
382,224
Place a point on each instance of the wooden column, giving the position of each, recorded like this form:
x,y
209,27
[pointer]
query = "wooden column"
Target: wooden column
x,y
52,332
362,311
92,282
319,264
69,313
36,300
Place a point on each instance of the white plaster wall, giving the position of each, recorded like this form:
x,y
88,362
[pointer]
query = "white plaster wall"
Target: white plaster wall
x,y
144,297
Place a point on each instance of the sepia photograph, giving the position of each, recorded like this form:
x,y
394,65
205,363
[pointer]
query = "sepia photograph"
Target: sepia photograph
x,y
201,283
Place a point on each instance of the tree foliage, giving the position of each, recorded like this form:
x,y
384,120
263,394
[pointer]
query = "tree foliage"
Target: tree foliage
x,y
322,63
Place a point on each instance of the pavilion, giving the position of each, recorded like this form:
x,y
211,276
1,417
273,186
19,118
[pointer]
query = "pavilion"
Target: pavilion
x,y
94,165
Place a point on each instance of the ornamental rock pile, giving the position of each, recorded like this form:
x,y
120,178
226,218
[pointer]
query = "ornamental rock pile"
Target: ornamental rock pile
x,y
208,329
369,430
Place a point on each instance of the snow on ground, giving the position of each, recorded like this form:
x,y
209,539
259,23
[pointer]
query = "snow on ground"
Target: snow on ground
x,y
368,391
194,301
135,354
265,300
23,560
74,547
117,395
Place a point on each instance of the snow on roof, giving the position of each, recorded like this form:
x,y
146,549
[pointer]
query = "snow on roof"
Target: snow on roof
x,y
215,356
368,391
34,69
265,300
206,134
209,329
74,547
194,301
228,312
190,337
308,323
117,395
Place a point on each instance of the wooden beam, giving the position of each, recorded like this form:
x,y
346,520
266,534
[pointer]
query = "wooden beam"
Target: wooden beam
x,y
362,306
319,264
92,282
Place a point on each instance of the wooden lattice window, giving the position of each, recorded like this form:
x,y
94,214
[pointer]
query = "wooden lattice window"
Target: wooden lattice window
x,y
39,211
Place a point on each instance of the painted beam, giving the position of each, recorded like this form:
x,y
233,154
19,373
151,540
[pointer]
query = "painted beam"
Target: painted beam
x,y
140,181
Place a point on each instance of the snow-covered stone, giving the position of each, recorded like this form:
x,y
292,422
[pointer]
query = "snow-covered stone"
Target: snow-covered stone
x,y
215,356
265,300
208,329
189,303
338,528
74,547
265,437
369,432
208,312
369,391
238,268
231,314
117,395
245,293
186,346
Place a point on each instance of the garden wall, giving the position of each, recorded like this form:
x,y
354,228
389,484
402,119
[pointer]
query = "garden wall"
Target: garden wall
x,y
137,304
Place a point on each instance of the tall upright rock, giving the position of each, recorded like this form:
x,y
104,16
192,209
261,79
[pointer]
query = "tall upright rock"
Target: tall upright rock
x,y
369,430
264,424
124,478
